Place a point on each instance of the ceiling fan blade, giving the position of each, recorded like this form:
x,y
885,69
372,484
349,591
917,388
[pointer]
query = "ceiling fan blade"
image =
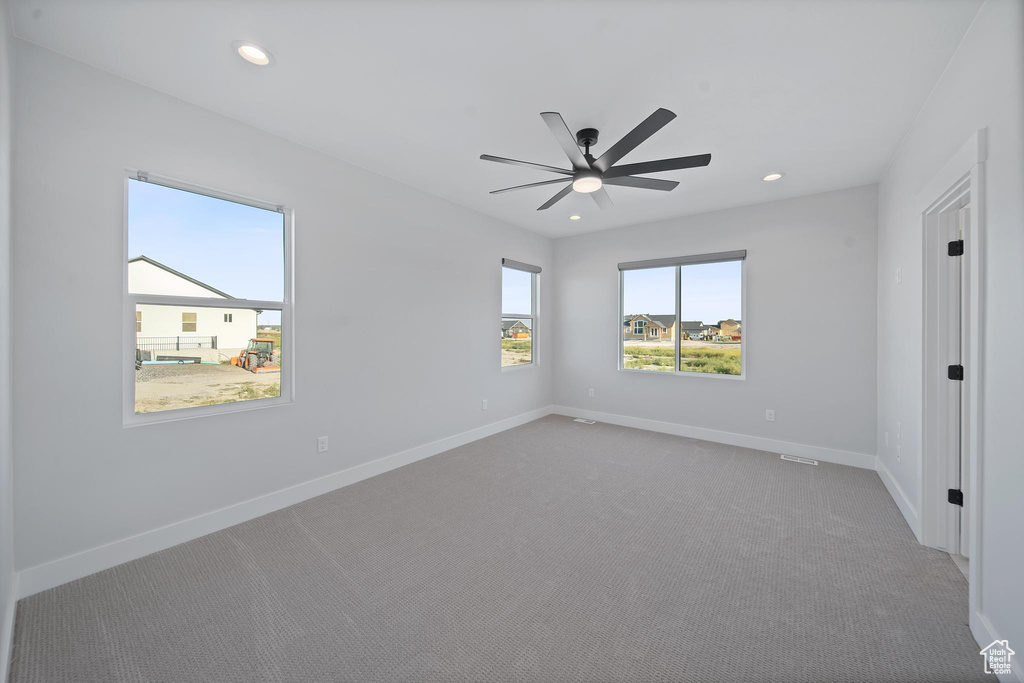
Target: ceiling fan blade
x,y
602,198
645,183
565,138
527,164
648,127
551,202
657,166
520,187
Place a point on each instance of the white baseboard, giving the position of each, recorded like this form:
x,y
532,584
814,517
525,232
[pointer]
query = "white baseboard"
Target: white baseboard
x,y
731,438
59,571
899,495
7,629
983,632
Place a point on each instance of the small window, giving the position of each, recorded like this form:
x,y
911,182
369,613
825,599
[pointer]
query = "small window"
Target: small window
x,y
683,315
518,313
196,257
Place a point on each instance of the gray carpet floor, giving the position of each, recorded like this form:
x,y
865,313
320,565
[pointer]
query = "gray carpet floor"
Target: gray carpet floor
x,y
554,551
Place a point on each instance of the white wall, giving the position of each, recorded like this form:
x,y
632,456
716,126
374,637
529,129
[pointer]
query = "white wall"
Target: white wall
x,y
981,88
366,248
810,266
6,464
165,321
145,278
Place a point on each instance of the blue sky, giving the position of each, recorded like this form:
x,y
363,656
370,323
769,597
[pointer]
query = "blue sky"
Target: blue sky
x,y
516,291
710,291
235,248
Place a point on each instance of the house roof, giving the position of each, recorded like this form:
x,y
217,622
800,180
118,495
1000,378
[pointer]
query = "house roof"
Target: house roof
x,y
657,319
730,320
508,324
172,271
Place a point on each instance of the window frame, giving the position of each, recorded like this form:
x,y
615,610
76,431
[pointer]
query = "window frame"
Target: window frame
x,y
194,322
131,301
695,259
532,317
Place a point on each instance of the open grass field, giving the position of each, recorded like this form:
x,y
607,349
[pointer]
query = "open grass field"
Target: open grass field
x,y
516,352
708,357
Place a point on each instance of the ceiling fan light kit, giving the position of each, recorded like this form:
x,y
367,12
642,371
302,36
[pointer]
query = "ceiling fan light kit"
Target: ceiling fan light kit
x,y
589,175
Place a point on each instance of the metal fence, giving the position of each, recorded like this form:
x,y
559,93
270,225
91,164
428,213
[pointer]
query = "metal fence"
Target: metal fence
x,y
175,343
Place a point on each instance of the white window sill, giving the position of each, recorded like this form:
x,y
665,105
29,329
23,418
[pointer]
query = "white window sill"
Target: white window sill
x,y
716,375
515,368
178,414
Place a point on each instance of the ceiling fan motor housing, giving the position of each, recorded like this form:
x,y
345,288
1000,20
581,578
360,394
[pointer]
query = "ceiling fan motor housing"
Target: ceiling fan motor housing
x,y
586,137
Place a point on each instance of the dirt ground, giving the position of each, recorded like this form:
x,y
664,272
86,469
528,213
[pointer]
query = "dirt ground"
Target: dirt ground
x,y
167,387
509,357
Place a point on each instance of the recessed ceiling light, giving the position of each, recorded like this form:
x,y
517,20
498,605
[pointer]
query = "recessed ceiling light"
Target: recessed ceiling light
x,y
772,176
253,53
574,218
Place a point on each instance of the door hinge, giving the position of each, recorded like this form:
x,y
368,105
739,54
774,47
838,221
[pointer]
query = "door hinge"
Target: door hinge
x,y
956,248
956,497
956,372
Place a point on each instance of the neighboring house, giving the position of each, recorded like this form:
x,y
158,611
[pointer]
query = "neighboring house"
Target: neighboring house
x,y
185,331
730,328
643,327
697,330
514,329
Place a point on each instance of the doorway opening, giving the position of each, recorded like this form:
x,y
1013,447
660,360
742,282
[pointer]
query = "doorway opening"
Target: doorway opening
x,y
951,213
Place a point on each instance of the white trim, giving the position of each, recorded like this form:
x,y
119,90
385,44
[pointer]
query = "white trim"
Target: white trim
x,y
972,153
900,497
840,457
984,633
75,566
7,628
966,169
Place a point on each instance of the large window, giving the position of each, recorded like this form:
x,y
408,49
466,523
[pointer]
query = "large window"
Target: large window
x,y
683,315
518,313
210,275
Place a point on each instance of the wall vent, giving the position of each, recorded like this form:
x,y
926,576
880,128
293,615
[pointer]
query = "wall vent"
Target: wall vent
x,y
802,461
586,422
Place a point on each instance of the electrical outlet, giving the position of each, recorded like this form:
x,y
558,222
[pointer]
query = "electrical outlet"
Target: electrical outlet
x,y
899,431
483,404
899,275
887,438
321,444
591,392
899,452
769,415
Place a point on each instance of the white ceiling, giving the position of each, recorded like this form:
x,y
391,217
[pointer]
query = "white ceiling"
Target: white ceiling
x,y
822,90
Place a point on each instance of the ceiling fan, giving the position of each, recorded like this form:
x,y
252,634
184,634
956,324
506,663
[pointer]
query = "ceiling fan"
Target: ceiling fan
x,y
590,175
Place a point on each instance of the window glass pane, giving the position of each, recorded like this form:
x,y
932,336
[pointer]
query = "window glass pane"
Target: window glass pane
x,y
648,319
516,341
219,363
187,244
711,305
516,291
